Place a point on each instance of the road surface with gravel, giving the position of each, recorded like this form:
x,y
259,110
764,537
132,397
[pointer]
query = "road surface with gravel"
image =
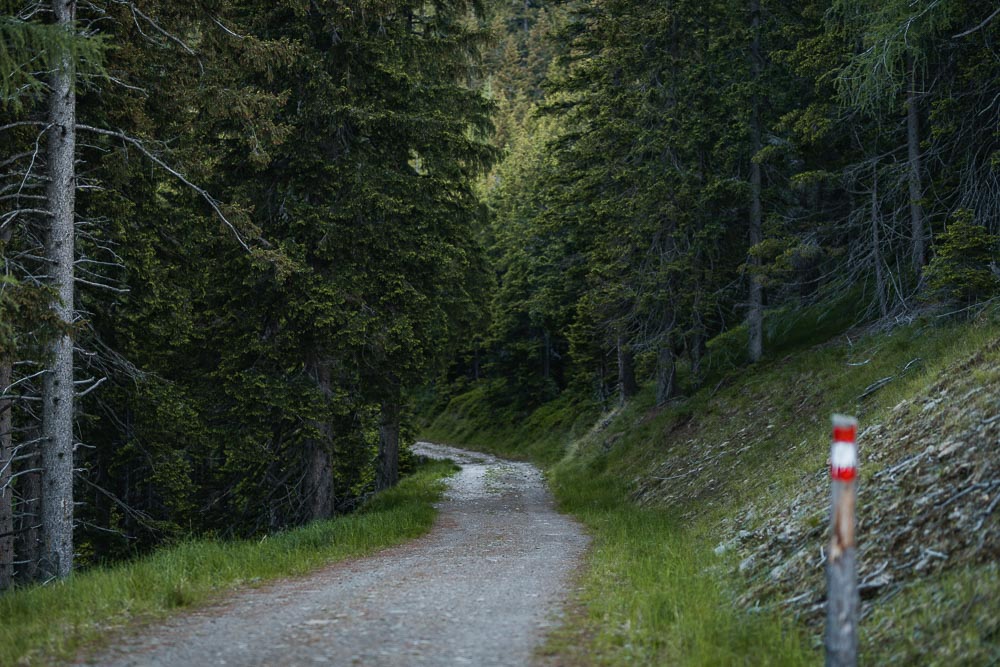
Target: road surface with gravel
x,y
482,588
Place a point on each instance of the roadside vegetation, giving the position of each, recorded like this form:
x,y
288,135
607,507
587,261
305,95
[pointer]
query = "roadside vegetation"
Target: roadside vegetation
x,y
41,623
709,515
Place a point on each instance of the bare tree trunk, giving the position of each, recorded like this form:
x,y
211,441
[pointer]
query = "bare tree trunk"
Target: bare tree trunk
x,y
627,387
57,391
28,545
600,375
387,474
917,224
755,316
880,286
6,479
666,375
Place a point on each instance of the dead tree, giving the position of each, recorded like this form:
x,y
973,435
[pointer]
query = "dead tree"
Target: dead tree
x,y
57,388
6,479
755,317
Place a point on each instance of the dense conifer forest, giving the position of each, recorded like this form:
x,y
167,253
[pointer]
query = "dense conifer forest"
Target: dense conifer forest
x,y
242,241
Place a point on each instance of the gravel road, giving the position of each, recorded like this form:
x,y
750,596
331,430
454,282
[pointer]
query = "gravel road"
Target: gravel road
x,y
481,589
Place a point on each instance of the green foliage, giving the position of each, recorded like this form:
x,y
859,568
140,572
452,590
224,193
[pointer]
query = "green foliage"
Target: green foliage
x,y
964,267
342,143
26,321
29,47
896,36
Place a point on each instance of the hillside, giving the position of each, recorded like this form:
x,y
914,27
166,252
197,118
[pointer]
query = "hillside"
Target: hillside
x,y
710,515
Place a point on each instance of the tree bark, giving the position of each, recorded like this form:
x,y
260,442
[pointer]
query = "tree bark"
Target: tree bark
x,y
880,286
319,483
666,375
387,474
627,387
319,488
57,390
6,479
755,316
28,543
917,224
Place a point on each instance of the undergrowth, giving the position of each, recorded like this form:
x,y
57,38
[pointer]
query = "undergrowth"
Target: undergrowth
x,y
42,623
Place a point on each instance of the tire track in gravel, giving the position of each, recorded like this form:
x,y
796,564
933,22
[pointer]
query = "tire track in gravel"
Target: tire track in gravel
x,y
481,588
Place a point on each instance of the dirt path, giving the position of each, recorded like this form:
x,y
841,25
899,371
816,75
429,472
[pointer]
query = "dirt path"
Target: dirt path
x,y
480,589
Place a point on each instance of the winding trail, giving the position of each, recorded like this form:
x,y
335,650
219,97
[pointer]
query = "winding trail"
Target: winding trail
x,y
481,589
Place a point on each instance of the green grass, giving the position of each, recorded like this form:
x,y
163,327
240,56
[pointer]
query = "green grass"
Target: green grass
x,y
470,420
654,593
653,589
42,623
924,615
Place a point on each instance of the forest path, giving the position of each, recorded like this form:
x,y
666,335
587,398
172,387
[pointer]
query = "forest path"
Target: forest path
x,y
480,589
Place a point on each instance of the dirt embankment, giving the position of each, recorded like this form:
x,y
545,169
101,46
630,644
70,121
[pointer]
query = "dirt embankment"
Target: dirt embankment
x,y
928,509
928,503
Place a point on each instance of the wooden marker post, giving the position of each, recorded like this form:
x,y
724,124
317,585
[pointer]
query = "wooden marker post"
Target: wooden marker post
x,y
842,599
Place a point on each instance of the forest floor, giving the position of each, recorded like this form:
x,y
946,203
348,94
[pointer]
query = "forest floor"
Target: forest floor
x,y
481,589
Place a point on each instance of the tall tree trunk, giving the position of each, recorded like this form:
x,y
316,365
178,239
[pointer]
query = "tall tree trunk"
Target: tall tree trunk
x,y
666,374
319,482
319,489
627,387
28,544
755,316
880,286
600,376
917,224
57,391
6,479
387,474
546,354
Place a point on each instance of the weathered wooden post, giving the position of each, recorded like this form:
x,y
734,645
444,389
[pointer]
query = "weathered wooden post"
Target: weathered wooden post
x,y
842,599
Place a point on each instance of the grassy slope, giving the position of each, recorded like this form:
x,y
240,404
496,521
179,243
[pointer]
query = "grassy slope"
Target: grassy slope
x,y
43,623
666,492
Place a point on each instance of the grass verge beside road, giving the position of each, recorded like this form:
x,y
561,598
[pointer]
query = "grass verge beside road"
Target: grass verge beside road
x,y
44,623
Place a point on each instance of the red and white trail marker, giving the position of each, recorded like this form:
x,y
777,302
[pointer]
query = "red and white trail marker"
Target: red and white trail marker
x,y
842,601
844,452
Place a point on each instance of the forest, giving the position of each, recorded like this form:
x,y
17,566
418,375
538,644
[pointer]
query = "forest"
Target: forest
x,y
244,244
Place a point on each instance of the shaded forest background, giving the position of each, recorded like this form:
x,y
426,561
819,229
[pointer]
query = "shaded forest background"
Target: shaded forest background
x,y
295,221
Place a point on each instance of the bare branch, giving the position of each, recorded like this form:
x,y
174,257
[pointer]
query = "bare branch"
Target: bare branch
x,y
978,27
176,174
23,123
91,387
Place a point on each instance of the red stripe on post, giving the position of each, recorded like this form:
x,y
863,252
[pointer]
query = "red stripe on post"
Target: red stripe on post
x,y
845,433
844,474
